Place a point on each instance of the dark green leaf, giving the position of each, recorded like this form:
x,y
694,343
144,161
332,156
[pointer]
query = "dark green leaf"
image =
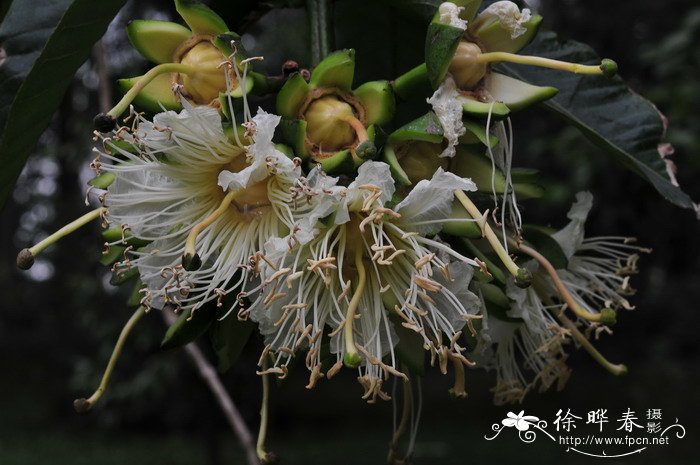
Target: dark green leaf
x,y
186,329
409,349
605,110
45,45
228,337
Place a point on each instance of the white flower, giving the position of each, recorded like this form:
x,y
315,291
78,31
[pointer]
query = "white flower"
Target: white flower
x,y
508,14
366,261
599,268
447,107
524,347
188,186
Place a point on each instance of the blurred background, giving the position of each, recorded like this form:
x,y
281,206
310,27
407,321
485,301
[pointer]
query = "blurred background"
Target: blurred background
x,y
59,320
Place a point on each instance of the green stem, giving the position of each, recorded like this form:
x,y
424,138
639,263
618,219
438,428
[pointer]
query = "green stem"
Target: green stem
x,y
154,72
84,405
66,230
412,82
320,26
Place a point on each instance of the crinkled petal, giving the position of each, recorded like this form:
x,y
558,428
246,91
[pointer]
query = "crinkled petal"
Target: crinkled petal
x,y
431,201
447,107
449,14
570,237
509,15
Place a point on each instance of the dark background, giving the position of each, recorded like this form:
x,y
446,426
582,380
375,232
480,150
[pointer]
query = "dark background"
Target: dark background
x,y
58,322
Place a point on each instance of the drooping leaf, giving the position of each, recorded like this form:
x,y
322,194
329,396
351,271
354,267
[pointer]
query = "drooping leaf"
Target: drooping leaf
x,y
188,327
45,45
606,111
228,337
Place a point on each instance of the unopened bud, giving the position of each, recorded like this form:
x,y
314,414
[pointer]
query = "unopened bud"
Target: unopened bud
x,y
465,68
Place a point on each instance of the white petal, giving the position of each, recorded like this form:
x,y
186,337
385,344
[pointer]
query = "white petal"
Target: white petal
x,y
432,200
447,107
371,173
571,236
509,15
449,14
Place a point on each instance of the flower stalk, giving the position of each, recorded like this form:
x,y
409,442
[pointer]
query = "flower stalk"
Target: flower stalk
x,y
25,259
607,67
83,405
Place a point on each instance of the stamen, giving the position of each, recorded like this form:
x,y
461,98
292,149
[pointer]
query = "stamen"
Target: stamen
x,y
606,316
83,406
190,260
25,259
523,277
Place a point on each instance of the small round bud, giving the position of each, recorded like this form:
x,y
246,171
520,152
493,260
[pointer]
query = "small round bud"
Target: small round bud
x,y
352,359
326,123
523,278
465,68
290,67
104,122
25,259
366,149
270,459
82,406
191,262
608,316
609,67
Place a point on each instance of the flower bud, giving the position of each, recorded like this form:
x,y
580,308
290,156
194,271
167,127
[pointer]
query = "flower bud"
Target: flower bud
x,y
208,78
466,70
327,124
419,159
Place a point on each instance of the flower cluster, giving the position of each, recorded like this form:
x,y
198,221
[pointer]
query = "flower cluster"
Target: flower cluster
x,y
346,248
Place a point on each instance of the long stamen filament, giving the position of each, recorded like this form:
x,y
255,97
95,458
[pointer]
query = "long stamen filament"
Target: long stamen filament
x,y
522,275
262,432
405,416
607,67
25,259
352,357
85,405
606,316
190,259
154,72
615,369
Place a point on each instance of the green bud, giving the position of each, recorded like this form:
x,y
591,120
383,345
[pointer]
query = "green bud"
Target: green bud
x,y
608,316
523,278
352,359
609,67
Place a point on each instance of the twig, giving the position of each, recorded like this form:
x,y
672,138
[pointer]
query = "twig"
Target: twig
x,y
104,91
230,411
320,24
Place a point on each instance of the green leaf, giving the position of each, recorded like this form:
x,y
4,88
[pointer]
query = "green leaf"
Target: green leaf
x,y
186,329
45,45
605,110
409,349
228,337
